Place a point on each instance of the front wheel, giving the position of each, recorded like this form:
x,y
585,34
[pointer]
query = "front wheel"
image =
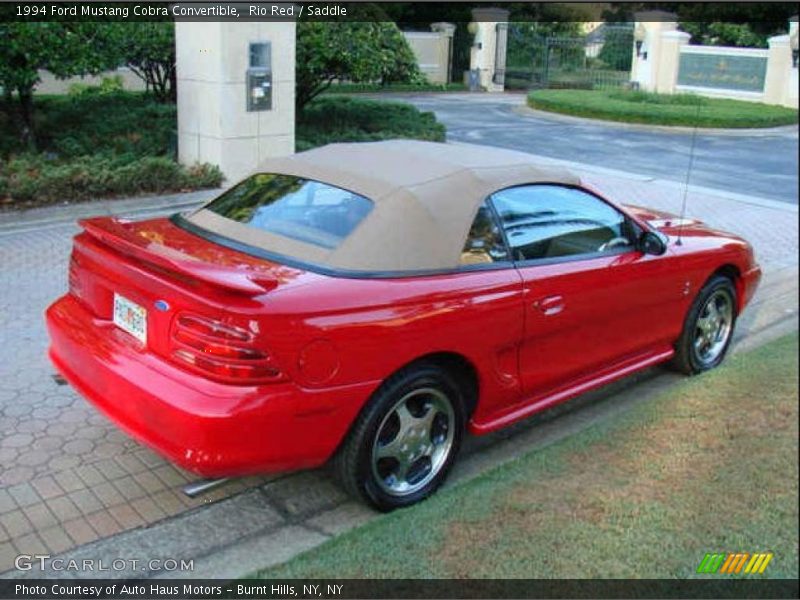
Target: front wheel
x,y
708,329
405,441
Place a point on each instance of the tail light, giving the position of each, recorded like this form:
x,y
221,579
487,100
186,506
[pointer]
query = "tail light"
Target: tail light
x,y
74,279
221,351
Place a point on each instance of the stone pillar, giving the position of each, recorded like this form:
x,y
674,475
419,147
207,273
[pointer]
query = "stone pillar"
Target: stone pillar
x,y
792,87
447,30
214,124
645,67
484,47
669,60
780,83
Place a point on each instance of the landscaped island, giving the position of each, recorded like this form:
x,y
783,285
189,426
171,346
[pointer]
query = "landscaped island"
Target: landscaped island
x,y
688,110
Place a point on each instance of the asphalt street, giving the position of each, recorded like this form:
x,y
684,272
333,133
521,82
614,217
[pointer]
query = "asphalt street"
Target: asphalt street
x,y
761,163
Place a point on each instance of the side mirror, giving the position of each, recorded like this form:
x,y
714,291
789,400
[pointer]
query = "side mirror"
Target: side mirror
x,y
652,242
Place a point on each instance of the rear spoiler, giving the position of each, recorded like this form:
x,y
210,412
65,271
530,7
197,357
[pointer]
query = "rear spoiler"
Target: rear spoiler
x,y
113,233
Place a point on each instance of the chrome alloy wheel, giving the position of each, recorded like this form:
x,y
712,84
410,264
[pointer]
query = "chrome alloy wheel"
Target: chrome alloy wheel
x,y
413,441
713,327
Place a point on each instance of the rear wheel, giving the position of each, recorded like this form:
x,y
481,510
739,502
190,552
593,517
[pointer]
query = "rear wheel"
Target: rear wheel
x,y
406,439
708,329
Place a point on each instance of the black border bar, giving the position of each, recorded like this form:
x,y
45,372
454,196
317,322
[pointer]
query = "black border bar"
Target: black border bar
x,y
378,589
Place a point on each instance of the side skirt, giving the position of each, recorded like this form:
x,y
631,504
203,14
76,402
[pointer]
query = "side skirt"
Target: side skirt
x,y
581,386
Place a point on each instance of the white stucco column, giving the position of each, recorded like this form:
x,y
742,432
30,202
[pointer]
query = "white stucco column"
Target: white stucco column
x,y
214,123
781,81
645,66
484,47
669,59
792,87
447,30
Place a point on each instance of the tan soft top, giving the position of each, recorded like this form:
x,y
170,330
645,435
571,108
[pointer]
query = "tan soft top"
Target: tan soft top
x,y
425,196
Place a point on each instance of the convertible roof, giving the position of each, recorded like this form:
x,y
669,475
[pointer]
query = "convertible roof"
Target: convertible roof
x,y
425,197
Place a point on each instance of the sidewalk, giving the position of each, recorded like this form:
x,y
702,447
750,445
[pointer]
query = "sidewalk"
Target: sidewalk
x,y
71,484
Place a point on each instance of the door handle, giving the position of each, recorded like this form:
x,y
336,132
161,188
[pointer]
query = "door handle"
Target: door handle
x,y
550,305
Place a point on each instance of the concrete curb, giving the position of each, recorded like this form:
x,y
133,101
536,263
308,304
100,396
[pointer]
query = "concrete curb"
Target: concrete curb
x,y
782,130
142,206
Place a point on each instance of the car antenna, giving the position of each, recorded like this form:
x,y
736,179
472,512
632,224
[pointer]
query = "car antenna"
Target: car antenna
x,y
679,241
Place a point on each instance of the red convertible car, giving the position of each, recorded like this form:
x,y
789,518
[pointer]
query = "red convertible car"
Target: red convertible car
x,y
369,303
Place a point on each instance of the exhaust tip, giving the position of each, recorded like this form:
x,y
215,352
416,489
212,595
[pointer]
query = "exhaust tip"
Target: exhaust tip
x,y
203,486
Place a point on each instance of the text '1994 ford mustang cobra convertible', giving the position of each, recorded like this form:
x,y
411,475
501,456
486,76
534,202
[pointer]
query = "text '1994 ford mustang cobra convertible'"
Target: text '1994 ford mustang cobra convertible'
x,y
367,304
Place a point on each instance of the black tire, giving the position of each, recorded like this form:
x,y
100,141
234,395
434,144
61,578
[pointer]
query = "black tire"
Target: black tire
x,y
354,463
689,359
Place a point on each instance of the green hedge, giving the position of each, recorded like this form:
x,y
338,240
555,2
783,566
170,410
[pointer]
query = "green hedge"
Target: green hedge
x,y
97,141
90,122
661,109
330,119
94,144
34,178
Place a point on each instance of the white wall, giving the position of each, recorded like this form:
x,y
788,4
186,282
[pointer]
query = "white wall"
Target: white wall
x,y
432,51
52,85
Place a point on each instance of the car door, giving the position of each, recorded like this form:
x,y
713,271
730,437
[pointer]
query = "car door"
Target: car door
x,y
592,299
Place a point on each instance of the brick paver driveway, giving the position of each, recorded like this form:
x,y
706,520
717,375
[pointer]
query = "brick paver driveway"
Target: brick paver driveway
x,y
68,477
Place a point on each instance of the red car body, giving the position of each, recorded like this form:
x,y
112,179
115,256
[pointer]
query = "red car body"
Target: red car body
x,y
530,336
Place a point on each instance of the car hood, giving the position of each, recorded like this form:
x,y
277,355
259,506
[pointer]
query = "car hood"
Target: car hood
x,y
663,221
687,228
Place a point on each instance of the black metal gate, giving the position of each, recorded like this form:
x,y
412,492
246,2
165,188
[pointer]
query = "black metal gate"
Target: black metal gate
x,y
598,60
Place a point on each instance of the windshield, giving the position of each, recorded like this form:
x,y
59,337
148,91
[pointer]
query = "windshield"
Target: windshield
x,y
302,209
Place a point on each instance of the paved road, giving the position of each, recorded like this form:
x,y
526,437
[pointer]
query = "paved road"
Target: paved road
x,y
760,164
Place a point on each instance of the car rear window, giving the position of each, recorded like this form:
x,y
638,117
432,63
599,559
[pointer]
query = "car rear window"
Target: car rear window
x,y
302,209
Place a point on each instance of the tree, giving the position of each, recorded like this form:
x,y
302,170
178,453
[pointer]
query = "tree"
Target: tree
x,y
724,34
148,49
617,48
718,23
64,49
356,51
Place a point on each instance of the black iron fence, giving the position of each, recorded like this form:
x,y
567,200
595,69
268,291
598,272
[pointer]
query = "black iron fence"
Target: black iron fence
x,y
600,59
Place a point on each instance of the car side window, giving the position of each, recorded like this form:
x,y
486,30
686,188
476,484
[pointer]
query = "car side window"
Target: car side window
x,y
484,242
551,221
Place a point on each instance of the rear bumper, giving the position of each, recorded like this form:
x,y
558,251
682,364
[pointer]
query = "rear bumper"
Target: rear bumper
x,y
209,428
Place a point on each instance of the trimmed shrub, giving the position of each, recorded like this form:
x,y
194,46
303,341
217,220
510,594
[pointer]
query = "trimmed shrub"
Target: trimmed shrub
x,y
330,119
108,85
122,144
87,123
30,178
97,142
661,109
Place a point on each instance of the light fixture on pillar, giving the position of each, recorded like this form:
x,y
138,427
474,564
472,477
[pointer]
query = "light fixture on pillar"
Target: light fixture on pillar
x,y
793,46
639,34
477,40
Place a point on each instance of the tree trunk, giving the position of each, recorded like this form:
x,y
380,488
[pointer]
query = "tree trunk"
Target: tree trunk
x,y
27,133
173,84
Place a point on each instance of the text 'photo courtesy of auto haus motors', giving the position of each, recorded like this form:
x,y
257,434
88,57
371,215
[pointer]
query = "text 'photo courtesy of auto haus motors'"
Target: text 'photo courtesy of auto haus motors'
x,y
369,304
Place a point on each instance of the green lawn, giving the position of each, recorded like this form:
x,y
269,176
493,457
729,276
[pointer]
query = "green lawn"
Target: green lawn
x,y
709,466
661,109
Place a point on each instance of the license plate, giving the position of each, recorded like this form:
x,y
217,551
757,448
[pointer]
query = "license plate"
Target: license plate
x,y
130,317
